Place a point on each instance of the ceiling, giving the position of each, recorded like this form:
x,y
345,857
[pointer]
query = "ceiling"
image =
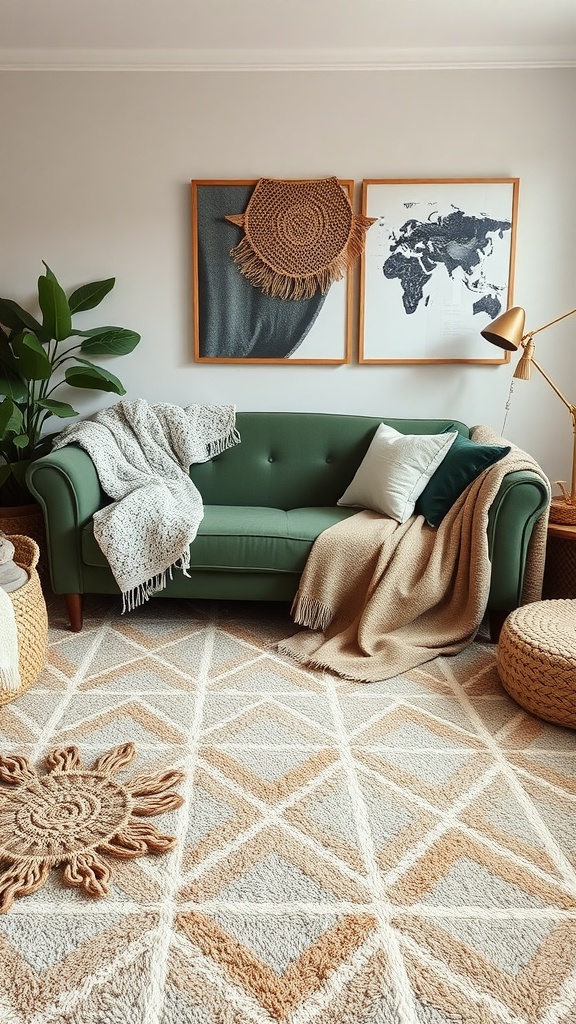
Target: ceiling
x,y
276,33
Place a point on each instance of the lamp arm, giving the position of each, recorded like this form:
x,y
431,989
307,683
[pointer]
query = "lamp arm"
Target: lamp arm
x,y
562,397
556,321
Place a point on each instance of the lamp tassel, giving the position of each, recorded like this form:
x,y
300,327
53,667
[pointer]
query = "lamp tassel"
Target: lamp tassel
x,y
524,368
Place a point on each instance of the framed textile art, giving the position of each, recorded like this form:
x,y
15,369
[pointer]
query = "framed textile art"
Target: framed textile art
x,y
270,270
438,266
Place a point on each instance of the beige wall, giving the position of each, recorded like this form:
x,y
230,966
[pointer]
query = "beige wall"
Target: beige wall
x,y
95,172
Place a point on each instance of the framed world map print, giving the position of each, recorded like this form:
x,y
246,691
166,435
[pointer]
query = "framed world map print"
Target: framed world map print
x,y
438,266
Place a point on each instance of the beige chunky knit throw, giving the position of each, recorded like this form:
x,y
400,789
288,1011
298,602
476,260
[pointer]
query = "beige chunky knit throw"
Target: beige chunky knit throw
x,y
142,454
380,598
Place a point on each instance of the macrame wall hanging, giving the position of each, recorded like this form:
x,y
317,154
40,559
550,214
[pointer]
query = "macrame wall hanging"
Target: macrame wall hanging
x,y
299,236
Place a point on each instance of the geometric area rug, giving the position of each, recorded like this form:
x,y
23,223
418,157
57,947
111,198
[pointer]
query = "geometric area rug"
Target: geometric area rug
x,y
401,852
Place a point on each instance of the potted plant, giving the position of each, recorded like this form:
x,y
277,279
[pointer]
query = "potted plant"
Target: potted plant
x,y
37,357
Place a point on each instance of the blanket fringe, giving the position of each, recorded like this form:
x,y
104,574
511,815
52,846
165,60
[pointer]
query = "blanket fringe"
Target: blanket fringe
x,y
220,444
283,647
9,679
139,595
311,613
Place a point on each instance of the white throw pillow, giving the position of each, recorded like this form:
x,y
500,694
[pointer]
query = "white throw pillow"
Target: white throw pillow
x,y
395,471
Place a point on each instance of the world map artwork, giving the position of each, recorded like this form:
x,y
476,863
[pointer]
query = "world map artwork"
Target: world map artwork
x,y
455,243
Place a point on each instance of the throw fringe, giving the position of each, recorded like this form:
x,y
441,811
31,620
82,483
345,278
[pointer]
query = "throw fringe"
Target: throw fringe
x,y
311,662
9,679
220,444
137,596
281,285
311,613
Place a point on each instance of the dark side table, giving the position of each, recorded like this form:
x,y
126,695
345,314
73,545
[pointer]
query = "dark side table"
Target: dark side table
x,y
560,570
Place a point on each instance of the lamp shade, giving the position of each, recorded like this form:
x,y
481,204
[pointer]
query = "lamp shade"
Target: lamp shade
x,y
506,330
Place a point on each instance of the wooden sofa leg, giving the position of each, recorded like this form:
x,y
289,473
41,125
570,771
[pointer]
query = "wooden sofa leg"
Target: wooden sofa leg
x,y
75,607
496,620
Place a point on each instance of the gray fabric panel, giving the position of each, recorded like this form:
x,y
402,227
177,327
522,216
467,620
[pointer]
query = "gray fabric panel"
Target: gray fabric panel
x,y
236,319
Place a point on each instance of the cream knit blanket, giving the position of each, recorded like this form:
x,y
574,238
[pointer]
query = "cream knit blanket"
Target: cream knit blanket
x,y
9,667
142,454
380,598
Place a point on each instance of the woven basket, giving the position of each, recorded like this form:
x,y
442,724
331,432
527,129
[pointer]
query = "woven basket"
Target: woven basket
x,y
562,511
27,521
537,659
31,617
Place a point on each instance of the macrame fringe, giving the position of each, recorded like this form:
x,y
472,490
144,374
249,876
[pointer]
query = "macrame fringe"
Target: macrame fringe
x,y
285,286
313,614
20,880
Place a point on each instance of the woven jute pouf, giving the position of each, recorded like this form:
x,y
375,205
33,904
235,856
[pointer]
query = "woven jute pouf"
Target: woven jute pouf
x,y
31,617
537,659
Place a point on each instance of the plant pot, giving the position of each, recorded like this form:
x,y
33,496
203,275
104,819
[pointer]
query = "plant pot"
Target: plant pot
x,y
27,521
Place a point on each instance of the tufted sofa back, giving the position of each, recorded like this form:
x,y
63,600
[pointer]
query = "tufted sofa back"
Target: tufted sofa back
x,y
296,459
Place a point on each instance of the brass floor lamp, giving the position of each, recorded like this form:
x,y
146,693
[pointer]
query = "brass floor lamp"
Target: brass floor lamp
x,y
507,332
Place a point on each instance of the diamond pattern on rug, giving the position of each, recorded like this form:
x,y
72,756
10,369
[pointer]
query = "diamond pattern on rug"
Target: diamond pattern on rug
x,y
399,852
269,773
69,655
438,777
132,718
458,871
498,814
271,865
405,726
277,720
498,969
152,627
318,949
34,982
144,675
267,675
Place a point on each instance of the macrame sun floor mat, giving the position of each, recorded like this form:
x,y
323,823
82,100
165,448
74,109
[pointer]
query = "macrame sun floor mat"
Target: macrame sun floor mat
x,y
395,853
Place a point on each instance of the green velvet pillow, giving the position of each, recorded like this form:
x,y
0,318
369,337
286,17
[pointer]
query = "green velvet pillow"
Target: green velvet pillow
x,y
463,462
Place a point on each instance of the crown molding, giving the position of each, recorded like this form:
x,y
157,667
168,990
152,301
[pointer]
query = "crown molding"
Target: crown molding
x,y
451,58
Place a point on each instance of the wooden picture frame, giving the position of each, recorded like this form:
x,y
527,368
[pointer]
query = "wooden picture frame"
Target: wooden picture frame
x,y
437,268
234,322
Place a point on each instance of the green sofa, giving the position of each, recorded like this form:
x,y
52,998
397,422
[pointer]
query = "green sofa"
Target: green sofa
x,y
265,501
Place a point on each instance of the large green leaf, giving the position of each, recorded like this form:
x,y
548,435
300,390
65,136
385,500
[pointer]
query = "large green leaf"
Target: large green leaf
x,y
7,357
61,409
12,385
33,362
11,418
109,341
57,319
86,375
90,295
50,273
15,318
21,441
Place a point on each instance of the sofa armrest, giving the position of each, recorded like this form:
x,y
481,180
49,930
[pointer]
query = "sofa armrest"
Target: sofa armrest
x,y
66,485
522,498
